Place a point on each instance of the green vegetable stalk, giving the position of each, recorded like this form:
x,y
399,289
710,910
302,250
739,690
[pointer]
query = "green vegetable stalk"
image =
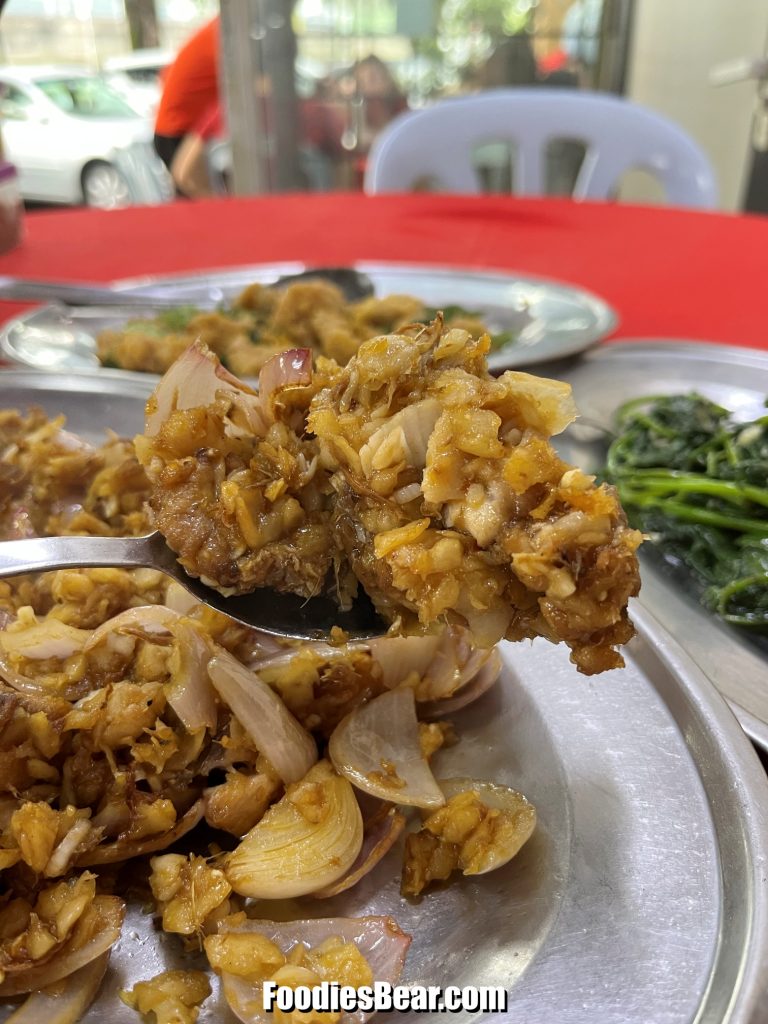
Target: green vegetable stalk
x,y
697,483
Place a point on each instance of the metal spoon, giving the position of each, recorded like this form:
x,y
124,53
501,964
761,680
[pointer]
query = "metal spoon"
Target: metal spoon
x,y
267,610
352,283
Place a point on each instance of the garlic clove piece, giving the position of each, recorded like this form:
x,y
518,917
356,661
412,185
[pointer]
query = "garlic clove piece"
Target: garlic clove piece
x,y
379,940
514,823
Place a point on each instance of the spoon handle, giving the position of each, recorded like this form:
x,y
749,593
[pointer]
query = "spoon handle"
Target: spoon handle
x,y
16,288
38,554
353,283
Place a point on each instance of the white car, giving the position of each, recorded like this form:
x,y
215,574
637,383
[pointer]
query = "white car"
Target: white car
x,y
136,76
73,139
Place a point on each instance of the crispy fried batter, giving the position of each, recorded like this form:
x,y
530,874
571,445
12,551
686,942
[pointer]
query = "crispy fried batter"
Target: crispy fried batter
x,y
414,472
453,505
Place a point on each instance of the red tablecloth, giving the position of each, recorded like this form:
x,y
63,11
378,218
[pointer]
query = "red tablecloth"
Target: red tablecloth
x,y
668,273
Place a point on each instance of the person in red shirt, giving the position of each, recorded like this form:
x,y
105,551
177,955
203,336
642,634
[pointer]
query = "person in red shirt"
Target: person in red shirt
x,y
190,89
190,167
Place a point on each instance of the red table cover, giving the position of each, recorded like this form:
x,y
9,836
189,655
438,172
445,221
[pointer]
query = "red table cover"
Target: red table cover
x,y
668,273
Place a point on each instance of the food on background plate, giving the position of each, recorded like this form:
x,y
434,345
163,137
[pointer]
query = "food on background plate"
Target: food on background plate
x,y
264,320
410,472
133,718
696,482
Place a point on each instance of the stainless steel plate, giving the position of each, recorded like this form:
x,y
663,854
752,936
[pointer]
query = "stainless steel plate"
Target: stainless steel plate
x,y
548,320
738,380
642,897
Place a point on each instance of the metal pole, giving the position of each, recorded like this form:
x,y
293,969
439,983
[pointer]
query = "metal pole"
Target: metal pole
x,y
257,77
279,64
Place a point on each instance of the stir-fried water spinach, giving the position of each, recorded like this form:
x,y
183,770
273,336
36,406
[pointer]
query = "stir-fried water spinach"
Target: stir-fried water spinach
x,y
696,482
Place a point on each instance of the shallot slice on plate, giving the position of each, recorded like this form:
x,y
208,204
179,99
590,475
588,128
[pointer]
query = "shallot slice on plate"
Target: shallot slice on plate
x,y
380,833
277,734
377,748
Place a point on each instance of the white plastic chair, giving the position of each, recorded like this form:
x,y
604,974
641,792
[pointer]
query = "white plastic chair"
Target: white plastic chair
x,y
437,144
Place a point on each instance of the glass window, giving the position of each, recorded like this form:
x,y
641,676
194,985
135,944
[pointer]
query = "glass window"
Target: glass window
x,y
14,104
85,97
145,74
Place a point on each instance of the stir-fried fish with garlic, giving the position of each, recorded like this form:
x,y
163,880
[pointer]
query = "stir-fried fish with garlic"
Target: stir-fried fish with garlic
x,y
411,472
132,718
263,321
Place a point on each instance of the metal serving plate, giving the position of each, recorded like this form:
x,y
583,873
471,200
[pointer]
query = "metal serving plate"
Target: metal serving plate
x,y
641,897
550,320
738,380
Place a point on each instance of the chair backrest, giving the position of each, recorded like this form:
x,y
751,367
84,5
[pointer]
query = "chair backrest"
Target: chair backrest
x,y
438,141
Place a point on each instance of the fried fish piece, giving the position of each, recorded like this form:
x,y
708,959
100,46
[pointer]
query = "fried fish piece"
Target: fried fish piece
x,y
411,470
452,505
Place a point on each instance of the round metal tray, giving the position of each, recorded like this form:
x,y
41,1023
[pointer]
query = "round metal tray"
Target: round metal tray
x,y
642,896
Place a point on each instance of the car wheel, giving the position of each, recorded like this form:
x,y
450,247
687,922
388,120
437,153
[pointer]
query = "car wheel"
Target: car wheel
x,y
104,187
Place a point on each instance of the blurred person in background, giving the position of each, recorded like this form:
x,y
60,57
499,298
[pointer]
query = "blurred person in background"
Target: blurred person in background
x,y
511,63
201,165
368,97
190,91
382,97
191,168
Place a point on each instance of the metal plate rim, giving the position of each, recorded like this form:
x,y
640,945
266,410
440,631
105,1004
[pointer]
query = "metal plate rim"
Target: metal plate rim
x,y
687,348
139,385
750,784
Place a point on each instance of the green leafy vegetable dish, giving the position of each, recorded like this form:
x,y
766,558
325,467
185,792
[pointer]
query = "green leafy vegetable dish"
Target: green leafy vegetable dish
x,y
696,482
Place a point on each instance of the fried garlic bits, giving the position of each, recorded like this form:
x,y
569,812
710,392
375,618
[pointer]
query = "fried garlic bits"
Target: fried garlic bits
x,y
411,472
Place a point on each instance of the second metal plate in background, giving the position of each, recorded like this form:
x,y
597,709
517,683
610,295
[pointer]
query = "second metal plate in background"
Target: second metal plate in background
x,y
735,378
550,320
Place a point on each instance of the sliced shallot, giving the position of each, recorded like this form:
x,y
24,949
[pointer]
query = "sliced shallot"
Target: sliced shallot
x,y
14,679
95,932
304,842
436,665
377,748
472,691
281,657
125,849
518,813
404,436
50,638
283,741
379,836
194,380
399,657
152,619
66,1001
189,691
289,369
456,661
